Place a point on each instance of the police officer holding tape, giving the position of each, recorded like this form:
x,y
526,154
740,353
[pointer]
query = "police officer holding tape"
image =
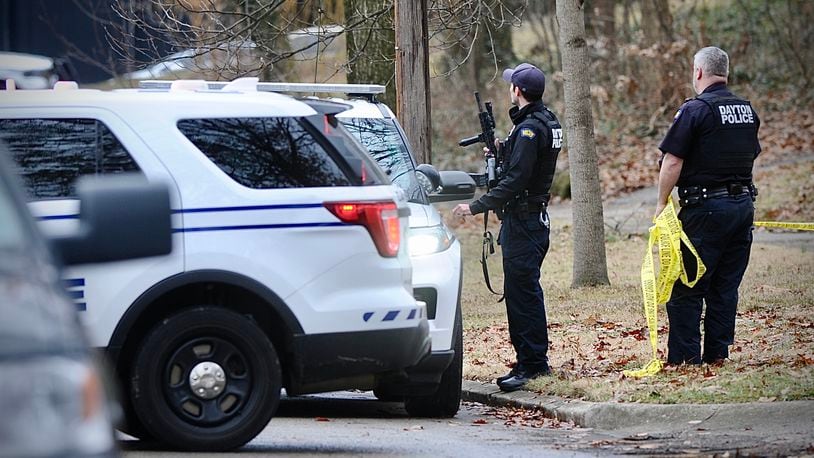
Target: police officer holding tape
x,y
522,194
708,153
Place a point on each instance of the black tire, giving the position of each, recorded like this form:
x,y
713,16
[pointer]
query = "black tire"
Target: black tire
x,y
446,401
132,426
386,396
234,411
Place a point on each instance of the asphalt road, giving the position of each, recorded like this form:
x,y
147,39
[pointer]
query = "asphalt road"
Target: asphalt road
x,y
355,424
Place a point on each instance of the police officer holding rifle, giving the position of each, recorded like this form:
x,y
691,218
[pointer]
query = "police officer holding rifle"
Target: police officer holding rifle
x,y
519,192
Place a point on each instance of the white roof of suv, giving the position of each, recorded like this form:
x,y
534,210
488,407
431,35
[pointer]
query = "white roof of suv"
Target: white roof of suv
x,y
220,103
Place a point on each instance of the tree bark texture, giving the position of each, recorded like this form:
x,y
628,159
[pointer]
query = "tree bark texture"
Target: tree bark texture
x,y
413,75
371,45
590,265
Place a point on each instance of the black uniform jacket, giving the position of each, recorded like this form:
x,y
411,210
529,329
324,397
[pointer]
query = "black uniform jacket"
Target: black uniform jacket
x,y
692,121
526,141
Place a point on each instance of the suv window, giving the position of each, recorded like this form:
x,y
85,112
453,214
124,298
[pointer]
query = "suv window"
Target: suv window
x,y
265,153
384,142
53,153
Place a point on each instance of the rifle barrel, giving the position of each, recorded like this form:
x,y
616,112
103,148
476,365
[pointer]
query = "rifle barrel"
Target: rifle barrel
x,y
469,140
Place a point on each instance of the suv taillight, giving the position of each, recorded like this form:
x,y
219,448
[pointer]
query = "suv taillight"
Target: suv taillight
x,y
381,219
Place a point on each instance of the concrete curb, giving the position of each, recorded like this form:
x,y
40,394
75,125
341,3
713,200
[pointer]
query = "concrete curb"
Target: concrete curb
x,y
616,415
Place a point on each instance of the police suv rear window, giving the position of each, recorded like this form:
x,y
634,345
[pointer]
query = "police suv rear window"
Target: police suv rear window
x,y
53,153
265,153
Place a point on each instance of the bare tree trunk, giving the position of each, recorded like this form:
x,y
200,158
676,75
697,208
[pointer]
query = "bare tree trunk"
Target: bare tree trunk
x,y
590,266
657,25
657,21
371,45
606,30
500,46
413,75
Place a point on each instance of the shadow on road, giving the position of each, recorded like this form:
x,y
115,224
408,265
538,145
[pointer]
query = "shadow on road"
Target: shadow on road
x,y
339,405
323,407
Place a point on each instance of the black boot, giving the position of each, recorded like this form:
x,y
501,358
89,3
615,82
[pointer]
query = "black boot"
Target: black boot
x,y
515,371
520,380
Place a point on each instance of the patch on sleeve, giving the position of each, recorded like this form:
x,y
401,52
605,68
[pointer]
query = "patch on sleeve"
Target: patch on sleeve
x,y
528,133
678,113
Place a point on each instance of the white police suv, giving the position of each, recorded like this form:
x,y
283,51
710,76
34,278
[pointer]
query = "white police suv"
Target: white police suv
x,y
433,387
290,265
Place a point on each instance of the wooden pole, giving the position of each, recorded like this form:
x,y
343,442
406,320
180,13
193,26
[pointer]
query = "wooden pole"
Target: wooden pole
x,y
413,76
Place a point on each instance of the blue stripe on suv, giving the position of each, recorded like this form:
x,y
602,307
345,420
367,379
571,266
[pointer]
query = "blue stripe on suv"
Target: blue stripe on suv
x,y
231,209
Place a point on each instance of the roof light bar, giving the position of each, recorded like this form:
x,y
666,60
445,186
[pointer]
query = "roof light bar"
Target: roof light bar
x,y
313,87
245,84
155,84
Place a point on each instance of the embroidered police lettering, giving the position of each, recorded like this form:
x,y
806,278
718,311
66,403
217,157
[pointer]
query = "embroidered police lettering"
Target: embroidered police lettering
x,y
736,114
556,138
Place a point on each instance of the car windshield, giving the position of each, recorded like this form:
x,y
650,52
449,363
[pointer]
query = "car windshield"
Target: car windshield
x,y
384,142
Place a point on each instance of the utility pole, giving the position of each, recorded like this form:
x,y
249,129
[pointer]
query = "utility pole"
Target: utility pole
x,y
413,75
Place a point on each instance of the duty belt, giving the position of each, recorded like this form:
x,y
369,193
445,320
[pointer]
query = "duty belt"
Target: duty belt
x,y
694,195
526,208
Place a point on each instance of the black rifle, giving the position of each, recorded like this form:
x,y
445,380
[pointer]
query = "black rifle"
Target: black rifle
x,y
494,167
493,156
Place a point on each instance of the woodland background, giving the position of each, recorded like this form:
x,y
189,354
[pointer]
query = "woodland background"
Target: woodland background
x,y
640,56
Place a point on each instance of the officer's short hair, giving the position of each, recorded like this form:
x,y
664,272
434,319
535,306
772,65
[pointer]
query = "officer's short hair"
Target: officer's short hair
x,y
530,96
712,60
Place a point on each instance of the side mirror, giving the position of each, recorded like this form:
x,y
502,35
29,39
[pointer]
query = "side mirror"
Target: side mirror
x,y
428,178
455,185
121,217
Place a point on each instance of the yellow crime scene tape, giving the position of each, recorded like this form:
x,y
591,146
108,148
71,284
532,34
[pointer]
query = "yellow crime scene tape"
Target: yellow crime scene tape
x,y
795,226
667,235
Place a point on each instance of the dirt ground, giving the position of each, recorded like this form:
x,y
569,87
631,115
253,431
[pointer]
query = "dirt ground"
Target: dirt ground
x,y
595,333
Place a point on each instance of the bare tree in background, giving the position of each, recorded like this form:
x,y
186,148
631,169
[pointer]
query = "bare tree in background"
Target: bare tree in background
x,y
371,45
474,35
590,265
228,38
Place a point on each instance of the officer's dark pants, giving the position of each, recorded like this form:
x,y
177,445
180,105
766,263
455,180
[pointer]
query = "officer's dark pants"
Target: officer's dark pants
x,y
721,231
525,242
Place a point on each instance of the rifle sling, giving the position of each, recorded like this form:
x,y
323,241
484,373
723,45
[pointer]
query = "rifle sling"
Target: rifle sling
x,y
488,248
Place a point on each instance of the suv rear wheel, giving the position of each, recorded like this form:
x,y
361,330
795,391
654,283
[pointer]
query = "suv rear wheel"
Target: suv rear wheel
x,y
206,379
446,401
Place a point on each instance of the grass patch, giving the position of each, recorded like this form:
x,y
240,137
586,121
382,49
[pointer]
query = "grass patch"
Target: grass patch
x,y
786,191
595,333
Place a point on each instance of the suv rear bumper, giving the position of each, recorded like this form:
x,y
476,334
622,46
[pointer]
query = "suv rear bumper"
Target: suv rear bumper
x,y
421,379
437,281
319,358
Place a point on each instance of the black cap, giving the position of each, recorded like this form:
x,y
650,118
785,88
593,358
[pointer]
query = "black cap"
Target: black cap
x,y
527,77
